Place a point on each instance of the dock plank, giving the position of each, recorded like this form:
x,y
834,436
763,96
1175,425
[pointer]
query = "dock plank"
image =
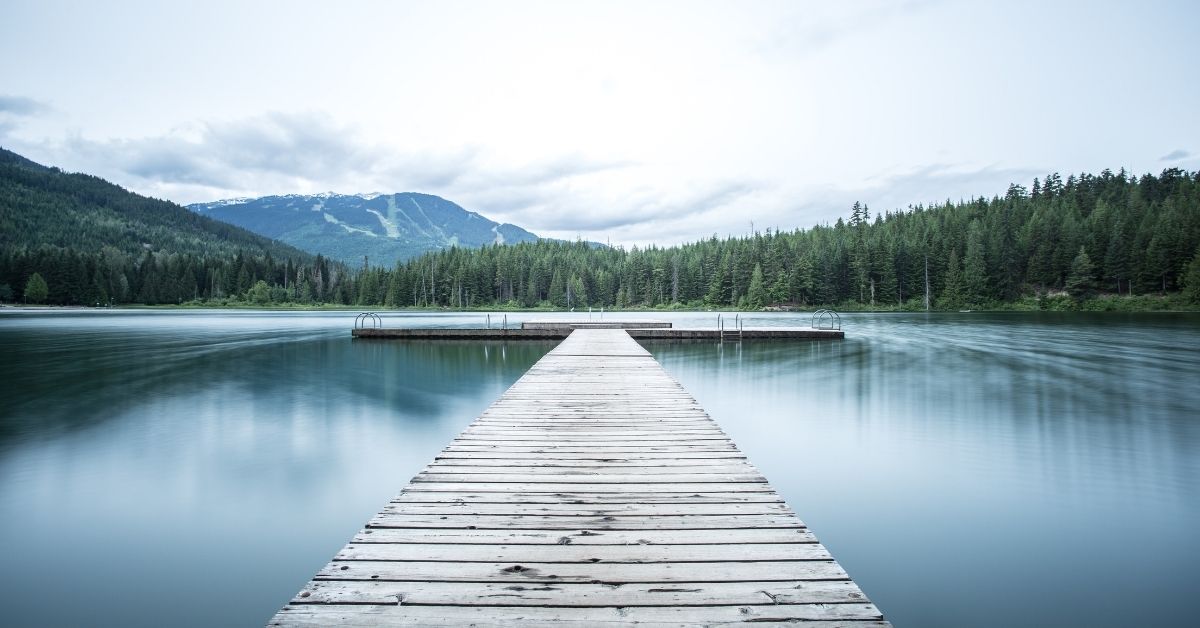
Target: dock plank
x,y
594,573
595,491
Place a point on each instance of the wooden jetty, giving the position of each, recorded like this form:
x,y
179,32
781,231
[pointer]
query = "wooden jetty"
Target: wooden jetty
x,y
595,492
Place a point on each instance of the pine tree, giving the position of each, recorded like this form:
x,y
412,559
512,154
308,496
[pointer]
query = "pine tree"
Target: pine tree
x,y
1081,282
952,290
558,291
756,294
36,290
974,277
720,287
802,280
1191,278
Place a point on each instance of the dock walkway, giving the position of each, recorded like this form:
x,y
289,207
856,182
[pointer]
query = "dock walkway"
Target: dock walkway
x,y
595,492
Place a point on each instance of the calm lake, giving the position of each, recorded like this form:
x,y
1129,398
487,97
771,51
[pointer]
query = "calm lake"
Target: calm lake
x,y
195,468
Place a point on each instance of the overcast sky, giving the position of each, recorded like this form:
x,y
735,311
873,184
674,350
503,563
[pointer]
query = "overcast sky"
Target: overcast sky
x,y
631,122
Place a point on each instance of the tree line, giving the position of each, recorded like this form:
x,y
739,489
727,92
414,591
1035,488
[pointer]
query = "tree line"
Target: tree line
x,y
1081,236
111,277
1111,233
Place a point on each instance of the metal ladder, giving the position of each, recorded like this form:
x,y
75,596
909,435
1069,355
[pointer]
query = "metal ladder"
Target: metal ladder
x,y
733,332
503,325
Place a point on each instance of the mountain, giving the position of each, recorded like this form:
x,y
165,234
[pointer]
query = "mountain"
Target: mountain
x,y
46,207
386,228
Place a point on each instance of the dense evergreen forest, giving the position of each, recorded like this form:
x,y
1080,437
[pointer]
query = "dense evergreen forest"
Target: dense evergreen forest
x,y
76,239
1055,244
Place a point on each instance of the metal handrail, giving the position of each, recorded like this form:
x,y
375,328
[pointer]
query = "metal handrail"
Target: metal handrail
x,y
826,319
360,321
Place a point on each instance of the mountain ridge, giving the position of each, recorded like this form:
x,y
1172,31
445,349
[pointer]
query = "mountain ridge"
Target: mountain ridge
x,y
384,228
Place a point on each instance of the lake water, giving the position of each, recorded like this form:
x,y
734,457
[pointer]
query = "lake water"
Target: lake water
x,y
196,468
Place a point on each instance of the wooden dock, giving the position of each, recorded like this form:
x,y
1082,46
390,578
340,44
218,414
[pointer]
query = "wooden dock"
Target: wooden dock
x,y
595,492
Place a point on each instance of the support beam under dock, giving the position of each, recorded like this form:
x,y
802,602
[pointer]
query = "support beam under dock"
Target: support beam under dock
x,y
596,491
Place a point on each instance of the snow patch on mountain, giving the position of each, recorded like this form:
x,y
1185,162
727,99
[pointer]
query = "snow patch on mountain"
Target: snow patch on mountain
x,y
229,201
392,230
350,228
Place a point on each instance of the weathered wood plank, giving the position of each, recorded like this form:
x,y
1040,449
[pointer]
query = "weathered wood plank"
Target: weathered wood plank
x,y
596,573
607,478
552,472
615,464
568,487
571,553
584,595
563,456
390,616
606,448
387,519
584,537
586,510
593,434
733,469
598,498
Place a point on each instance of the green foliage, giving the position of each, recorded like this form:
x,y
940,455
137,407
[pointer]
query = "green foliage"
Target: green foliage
x,y
756,294
36,290
1191,279
259,293
1081,283
953,291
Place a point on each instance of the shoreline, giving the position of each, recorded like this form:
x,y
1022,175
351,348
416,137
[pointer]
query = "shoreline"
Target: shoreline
x,y
1174,308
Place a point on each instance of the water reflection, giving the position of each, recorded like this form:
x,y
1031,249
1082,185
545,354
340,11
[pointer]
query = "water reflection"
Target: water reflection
x,y
149,469
955,463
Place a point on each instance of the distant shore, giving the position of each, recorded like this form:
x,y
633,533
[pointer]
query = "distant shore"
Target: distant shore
x,y
1056,303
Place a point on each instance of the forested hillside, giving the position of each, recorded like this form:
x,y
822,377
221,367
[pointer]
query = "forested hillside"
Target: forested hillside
x,y
77,239
1057,243
1110,233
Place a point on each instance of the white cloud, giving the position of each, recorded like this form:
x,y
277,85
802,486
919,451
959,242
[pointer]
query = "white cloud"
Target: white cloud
x,y
639,122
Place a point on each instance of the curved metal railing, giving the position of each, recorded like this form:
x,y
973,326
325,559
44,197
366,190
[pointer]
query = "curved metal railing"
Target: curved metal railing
x,y
362,320
826,319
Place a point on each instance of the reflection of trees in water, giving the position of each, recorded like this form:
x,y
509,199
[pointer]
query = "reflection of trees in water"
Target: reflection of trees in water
x,y
57,381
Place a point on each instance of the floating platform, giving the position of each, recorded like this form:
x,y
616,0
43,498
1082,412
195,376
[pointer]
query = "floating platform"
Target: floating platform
x,y
539,323
595,492
640,330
